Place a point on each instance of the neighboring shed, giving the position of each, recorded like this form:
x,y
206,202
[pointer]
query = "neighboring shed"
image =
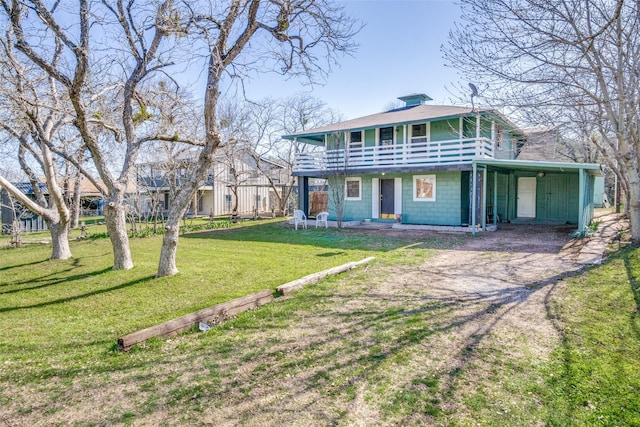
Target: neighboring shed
x,y
12,210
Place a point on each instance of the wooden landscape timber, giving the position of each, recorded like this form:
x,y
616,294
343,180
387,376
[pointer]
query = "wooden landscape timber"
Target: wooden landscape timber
x,y
316,277
216,313
222,311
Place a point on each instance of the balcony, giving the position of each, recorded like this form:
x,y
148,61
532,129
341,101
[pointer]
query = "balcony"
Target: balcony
x,y
401,156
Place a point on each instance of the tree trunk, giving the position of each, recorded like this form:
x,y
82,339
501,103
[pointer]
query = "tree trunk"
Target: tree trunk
x,y
75,203
116,223
60,240
633,202
167,265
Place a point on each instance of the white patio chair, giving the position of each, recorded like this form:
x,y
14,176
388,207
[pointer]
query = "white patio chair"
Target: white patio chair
x,y
322,218
299,218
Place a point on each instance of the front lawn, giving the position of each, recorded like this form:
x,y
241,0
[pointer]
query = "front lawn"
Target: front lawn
x,y
56,316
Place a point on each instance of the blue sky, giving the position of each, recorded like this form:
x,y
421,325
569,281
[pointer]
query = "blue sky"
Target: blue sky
x,y
399,54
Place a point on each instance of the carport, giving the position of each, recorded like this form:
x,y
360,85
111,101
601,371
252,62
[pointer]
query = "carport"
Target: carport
x,y
533,192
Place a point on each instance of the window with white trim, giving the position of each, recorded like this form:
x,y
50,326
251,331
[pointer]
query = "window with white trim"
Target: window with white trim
x,y
419,133
353,188
356,145
424,188
355,140
386,137
418,138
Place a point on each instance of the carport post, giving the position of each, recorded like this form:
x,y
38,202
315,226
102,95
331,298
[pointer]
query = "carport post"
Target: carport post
x,y
303,194
473,199
495,197
581,225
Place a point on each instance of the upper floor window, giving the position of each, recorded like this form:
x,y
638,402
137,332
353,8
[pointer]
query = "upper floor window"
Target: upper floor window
x,y
386,136
419,133
355,141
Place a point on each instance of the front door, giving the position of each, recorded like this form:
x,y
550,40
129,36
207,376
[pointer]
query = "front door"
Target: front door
x,y
387,197
527,197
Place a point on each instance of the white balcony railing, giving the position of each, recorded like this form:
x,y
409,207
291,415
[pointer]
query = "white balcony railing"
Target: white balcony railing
x,y
456,151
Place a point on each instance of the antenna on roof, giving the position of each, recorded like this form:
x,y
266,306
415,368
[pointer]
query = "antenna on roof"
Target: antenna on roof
x,y
474,92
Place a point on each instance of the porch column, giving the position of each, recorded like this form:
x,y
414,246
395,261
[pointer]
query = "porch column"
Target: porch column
x,y
478,133
473,199
461,135
581,224
483,202
495,197
303,194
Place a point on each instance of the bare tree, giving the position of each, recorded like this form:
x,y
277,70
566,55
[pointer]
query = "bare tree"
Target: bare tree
x,y
33,117
243,36
337,167
273,118
60,43
568,62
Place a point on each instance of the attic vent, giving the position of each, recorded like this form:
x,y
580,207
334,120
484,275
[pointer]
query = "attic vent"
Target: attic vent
x,y
414,99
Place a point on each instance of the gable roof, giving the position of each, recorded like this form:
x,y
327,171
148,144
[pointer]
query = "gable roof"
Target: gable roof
x,y
404,115
540,144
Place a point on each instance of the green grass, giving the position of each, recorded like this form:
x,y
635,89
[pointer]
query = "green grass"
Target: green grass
x,y
58,316
592,377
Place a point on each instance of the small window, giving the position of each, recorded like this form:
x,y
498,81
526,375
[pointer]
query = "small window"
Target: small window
x,y
356,137
424,188
355,141
353,189
419,133
498,137
386,136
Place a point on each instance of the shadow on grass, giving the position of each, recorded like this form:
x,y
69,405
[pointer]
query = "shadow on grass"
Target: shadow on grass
x,y
330,238
26,264
323,371
589,360
51,279
521,238
279,362
81,296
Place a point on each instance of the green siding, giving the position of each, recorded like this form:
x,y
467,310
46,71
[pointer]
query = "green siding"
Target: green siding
x,y
442,130
502,209
556,196
485,128
469,127
574,194
445,210
399,135
354,210
370,138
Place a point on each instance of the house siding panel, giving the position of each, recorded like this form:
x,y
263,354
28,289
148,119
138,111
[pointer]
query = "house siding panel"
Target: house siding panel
x,y
443,130
574,194
445,210
370,138
354,210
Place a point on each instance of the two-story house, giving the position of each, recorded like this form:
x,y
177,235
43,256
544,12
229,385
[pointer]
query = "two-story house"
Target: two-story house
x,y
442,165
235,185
